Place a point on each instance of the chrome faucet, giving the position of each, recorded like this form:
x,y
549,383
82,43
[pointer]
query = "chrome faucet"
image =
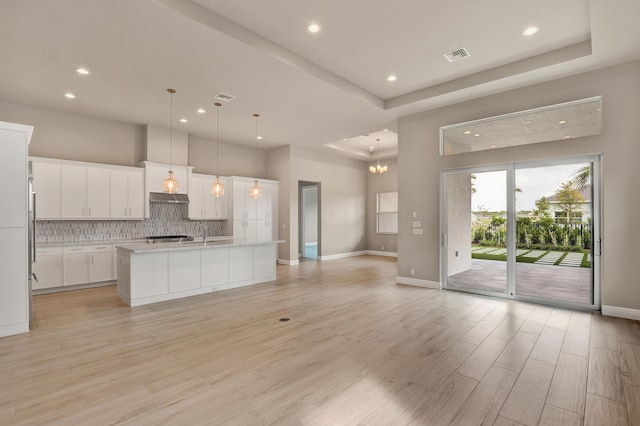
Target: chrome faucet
x,y
203,228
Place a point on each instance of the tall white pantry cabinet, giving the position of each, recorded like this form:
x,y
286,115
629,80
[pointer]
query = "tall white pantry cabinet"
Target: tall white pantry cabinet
x,y
14,228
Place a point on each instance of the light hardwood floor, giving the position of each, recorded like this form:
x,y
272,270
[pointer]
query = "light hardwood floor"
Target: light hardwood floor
x,y
358,349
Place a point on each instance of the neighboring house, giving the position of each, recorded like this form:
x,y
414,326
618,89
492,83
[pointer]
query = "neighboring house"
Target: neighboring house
x,y
581,212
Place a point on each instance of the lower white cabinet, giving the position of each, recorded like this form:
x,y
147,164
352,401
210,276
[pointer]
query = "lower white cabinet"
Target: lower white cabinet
x,y
47,268
73,265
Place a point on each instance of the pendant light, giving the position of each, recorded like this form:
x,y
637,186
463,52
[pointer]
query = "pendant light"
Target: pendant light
x,y
170,185
217,188
256,191
378,170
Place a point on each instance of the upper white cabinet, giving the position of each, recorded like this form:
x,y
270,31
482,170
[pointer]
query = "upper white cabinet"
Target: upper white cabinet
x,y
48,188
127,193
254,219
202,204
86,191
14,232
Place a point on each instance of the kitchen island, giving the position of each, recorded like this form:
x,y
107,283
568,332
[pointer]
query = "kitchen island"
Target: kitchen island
x,y
150,273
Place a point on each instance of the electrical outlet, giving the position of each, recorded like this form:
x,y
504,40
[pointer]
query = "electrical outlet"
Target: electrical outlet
x,y
412,272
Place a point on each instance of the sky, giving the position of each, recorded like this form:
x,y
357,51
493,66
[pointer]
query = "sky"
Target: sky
x,y
491,187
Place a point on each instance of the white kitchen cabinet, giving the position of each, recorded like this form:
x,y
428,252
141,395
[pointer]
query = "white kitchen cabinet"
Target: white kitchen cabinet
x,y
184,270
48,268
48,188
85,192
74,191
127,193
14,231
202,204
88,264
98,192
263,260
254,219
240,263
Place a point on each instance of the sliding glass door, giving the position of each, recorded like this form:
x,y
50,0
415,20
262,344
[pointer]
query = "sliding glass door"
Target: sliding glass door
x,y
526,231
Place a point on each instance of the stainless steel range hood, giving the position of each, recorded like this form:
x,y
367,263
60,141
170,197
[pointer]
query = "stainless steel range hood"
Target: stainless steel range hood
x,y
163,197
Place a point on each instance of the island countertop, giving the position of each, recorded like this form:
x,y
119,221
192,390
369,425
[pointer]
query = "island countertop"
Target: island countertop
x,y
190,245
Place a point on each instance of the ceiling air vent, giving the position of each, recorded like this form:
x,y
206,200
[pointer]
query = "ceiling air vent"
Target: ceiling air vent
x,y
224,97
456,55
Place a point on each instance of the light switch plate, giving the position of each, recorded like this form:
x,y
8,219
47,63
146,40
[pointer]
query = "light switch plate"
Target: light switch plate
x,y
417,224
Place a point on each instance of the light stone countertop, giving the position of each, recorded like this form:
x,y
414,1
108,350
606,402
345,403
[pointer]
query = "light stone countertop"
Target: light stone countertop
x,y
192,245
118,242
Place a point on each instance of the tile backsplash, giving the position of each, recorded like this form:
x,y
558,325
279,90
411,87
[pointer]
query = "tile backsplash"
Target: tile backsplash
x,y
166,219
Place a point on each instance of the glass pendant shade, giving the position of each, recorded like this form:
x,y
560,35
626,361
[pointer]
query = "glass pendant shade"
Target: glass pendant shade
x,y
256,191
217,188
170,185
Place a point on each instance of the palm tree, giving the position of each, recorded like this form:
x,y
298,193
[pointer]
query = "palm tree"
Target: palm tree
x,y
581,178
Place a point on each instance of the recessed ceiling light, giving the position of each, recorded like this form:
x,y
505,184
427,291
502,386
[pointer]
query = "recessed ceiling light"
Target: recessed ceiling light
x,y
467,132
69,95
259,137
392,78
82,71
313,28
561,122
567,137
529,31
371,148
201,111
493,146
385,130
477,134
184,120
344,139
527,122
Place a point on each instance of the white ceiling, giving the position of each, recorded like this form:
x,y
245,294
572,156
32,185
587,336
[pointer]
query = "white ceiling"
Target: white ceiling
x,y
310,89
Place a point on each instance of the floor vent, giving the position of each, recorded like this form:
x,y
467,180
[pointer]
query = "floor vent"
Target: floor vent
x,y
456,55
283,319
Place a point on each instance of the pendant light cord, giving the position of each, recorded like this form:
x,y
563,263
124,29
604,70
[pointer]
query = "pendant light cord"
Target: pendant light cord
x,y
218,105
171,91
256,116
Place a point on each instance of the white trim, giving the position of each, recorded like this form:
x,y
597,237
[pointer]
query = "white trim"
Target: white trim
x,y
343,255
620,312
9,330
381,253
288,262
418,283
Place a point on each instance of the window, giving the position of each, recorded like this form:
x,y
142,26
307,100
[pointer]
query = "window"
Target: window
x,y
387,213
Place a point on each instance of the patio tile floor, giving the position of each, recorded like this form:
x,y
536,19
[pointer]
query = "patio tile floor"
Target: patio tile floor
x,y
546,281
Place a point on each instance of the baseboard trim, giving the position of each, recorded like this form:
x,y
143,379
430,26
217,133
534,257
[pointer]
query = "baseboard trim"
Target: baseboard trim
x,y
10,330
342,255
382,253
617,311
288,262
418,283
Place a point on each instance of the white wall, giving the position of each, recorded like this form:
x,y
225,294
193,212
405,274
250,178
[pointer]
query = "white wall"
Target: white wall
x,y
420,165
235,160
343,191
69,136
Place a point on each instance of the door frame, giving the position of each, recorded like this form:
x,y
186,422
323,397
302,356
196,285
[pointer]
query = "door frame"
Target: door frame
x,y
301,217
596,210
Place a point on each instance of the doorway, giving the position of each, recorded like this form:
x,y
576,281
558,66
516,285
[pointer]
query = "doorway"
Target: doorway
x,y
525,231
309,211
